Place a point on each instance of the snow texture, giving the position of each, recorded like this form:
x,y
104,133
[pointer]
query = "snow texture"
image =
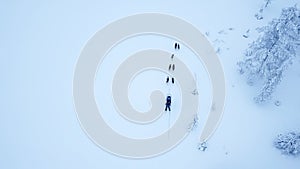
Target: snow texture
x,y
194,124
270,55
246,35
277,103
195,92
289,143
259,15
202,146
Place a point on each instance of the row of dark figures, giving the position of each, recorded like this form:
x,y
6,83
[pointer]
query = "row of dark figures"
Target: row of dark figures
x,y
171,67
168,79
176,46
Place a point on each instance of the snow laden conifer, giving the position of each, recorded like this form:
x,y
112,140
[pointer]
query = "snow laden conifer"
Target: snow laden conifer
x,y
269,56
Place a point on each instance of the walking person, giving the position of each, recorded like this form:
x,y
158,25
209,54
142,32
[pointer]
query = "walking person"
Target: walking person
x,y
168,103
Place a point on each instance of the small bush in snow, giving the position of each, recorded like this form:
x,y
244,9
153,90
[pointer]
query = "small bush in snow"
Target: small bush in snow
x,y
288,143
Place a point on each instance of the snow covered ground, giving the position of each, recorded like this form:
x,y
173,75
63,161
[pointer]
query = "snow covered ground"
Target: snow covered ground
x,y
40,44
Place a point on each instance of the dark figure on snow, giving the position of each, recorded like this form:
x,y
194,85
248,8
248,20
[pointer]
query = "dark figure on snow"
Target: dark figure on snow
x,y
172,56
168,103
177,46
168,79
171,67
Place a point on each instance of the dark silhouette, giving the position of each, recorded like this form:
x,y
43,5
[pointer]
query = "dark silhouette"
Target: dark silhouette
x,y
171,67
172,56
168,103
173,80
177,46
167,81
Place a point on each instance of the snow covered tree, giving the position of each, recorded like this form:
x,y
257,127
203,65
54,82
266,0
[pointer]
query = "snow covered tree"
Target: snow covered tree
x,y
269,55
288,143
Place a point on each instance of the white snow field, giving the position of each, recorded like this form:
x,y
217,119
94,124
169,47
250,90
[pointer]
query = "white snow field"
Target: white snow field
x,y
39,48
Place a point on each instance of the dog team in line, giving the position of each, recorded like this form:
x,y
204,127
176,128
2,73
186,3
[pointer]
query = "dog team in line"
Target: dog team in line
x,y
171,79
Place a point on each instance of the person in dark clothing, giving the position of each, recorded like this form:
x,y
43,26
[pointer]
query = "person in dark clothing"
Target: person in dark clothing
x,y
175,45
173,80
167,81
168,103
